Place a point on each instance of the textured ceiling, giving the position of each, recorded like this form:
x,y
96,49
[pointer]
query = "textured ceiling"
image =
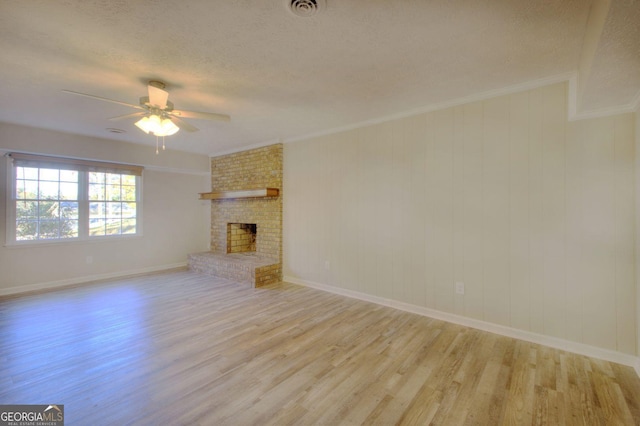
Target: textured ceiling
x,y
280,76
614,73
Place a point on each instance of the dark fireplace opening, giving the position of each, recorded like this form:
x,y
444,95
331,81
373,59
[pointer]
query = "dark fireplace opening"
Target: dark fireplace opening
x,y
241,237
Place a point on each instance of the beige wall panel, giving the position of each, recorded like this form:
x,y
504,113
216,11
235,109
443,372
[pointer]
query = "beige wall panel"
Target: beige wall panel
x,y
496,210
295,210
334,231
535,215
637,224
519,276
399,199
624,221
387,230
376,216
472,166
404,207
360,138
574,207
536,211
316,223
416,150
442,200
344,171
429,214
554,215
599,317
458,207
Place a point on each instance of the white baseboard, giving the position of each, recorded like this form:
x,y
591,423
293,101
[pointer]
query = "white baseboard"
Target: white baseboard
x,y
554,342
85,279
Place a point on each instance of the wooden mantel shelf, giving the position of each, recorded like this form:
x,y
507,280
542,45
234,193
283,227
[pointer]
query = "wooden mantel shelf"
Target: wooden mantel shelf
x,y
248,193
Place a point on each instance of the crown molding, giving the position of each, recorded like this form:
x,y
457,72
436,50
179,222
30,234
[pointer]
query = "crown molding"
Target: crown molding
x,y
573,115
245,148
520,87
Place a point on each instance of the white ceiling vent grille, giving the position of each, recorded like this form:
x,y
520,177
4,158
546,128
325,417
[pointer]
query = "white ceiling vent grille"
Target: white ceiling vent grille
x,y
305,8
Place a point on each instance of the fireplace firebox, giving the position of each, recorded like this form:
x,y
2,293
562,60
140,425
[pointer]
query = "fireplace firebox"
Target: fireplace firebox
x,y
241,237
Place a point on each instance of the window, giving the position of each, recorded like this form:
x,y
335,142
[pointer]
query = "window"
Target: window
x,y
59,199
112,204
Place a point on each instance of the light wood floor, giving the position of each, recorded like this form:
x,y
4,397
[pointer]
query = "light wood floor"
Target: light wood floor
x,y
183,348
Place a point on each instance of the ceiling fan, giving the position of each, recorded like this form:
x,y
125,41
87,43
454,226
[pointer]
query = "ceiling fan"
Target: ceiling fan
x,y
157,112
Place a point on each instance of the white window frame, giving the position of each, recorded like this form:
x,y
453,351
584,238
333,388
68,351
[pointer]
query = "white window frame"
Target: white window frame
x,y
83,167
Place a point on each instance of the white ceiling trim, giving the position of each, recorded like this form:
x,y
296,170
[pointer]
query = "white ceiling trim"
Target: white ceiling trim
x,y
521,87
244,148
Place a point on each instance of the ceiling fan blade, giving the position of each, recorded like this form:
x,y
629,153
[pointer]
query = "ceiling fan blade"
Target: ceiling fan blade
x,y
125,116
103,99
183,125
200,115
158,97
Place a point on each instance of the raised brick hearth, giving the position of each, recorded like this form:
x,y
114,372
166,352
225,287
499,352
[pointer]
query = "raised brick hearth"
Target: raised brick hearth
x,y
247,268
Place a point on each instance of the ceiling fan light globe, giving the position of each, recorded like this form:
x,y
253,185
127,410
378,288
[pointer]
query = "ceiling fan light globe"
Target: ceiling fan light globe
x,y
144,124
169,128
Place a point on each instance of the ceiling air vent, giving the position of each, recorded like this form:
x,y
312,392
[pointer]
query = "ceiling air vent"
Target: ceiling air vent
x,y
305,8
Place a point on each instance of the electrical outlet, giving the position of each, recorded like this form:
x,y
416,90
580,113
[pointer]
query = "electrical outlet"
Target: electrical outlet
x,y
89,260
327,265
460,287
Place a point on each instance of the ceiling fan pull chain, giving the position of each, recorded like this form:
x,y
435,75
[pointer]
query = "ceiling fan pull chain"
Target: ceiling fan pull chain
x,y
156,145
163,143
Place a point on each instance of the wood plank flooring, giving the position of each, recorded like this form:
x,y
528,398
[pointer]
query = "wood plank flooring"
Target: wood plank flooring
x,y
187,349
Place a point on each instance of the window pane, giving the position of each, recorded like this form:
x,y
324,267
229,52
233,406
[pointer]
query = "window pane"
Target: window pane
x,y
114,210
97,210
28,173
96,191
112,178
50,174
26,210
128,193
129,180
113,192
69,210
48,190
20,195
96,227
128,226
31,189
113,226
48,229
69,229
68,191
68,176
95,177
49,210
26,230
128,209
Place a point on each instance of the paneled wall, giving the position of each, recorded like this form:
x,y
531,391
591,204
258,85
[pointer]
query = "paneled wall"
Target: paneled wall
x,y
533,214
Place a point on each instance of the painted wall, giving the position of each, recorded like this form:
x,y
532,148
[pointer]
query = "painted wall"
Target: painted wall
x,y
532,213
637,164
175,222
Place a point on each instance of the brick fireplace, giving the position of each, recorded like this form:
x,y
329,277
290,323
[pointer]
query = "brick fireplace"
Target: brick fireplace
x,y
255,253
